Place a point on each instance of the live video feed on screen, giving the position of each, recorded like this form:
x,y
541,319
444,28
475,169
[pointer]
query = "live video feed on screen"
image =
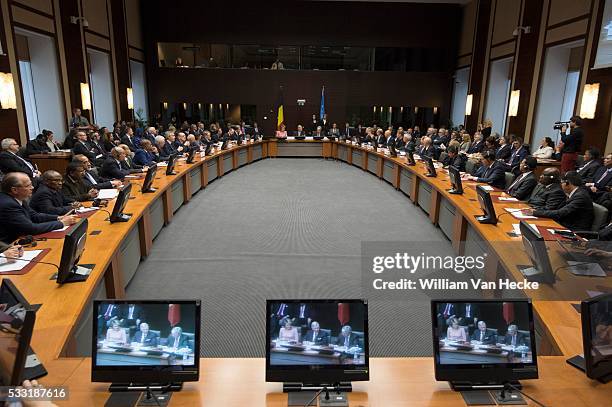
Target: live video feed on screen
x,y
483,333
145,334
12,315
601,332
317,333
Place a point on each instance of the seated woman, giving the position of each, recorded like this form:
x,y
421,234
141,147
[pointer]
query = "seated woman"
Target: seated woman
x,y
288,332
282,132
116,334
546,148
456,332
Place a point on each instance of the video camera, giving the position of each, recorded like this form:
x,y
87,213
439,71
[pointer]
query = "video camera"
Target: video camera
x,y
559,125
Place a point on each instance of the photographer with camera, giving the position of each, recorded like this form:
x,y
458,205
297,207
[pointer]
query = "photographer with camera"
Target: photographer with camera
x,y
570,144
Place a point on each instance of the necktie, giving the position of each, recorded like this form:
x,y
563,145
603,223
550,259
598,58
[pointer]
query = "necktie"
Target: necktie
x,y
142,338
605,174
302,309
131,313
481,335
346,341
513,340
26,163
90,178
109,310
447,310
516,181
176,342
467,310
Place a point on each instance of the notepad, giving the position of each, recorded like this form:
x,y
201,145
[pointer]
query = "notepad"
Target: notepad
x,y
85,210
162,164
516,229
518,213
61,229
487,187
18,265
290,138
110,193
507,199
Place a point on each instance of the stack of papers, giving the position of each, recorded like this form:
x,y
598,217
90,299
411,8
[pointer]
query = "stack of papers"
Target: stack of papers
x,y
85,210
110,193
517,230
487,187
518,213
507,199
18,264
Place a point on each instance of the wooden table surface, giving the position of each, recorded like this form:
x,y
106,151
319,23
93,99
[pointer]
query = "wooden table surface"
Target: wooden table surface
x,y
63,306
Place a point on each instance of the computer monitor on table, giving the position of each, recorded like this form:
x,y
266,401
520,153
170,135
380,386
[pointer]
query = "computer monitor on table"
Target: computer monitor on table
x,y
313,344
486,204
392,150
145,343
192,154
17,319
124,195
535,247
69,271
431,168
596,315
147,184
483,344
455,179
171,164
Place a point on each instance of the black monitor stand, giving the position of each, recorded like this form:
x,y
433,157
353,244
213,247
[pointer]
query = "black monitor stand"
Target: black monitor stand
x,y
131,394
299,394
78,274
478,394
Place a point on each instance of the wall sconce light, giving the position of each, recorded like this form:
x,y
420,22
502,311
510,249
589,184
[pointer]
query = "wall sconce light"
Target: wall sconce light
x,y
590,94
401,109
184,106
85,96
7,91
468,104
199,106
435,109
374,109
130,98
515,96
416,109
165,104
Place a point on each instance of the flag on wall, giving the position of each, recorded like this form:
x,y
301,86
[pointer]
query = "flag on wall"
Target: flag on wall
x,y
508,312
174,314
280,114
322,110
343,313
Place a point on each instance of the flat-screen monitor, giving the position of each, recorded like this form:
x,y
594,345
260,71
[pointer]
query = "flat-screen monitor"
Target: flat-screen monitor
x,y
16,326
224,144
603,58
171,164
535,247
596,315
317,341
392,151
117,215
483,342
147,184
74,245
410,157
208,149
455,179
431,169
486,204
146,342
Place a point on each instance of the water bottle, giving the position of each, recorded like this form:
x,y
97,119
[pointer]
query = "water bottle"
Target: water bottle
x,y
355,354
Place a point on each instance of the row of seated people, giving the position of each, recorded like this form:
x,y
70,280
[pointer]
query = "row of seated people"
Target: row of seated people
x,y
144,336
484,335
317,336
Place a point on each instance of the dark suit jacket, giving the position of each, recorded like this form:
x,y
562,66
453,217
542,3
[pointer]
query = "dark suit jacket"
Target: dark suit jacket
x,y
503,152
76,190
128,164
21,220
300,133
381,141
137,313
128,142
81,148
489,337
522,189
602,183
115,312
576,214
549,198
9,162
352,339
587,171
458,161
47,200
429,152
476,147
321,339
516,156
520,339
573,141
36,146
494,175
143,157
101,183
183,341
150,340
113,169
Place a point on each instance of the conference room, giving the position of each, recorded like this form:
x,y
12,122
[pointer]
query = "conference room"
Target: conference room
x,y
272,205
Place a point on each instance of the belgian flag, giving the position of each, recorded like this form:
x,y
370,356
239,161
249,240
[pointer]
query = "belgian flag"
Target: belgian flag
x,y
280,115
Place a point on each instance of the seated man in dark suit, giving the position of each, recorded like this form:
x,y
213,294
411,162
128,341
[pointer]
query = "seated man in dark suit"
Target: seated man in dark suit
x,y
491,172
454,158
16,216
548,194
504,150
300,131
82,147
347,338
315,335
112,168
128,139
10,161
426,149
74,186
517,154
590,166
146,155
144,337
524,183
132,315
177,340
483,335
577,212
91,177
49,198
602,179
514,337
477,145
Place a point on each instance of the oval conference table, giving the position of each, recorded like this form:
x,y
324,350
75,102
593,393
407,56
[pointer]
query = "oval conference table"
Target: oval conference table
x,y
63,324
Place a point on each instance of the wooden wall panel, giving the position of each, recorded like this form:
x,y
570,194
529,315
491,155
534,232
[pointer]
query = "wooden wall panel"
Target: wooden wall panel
x,y
134,24
96,14
34,20
507,13
122,63
42,6
563,10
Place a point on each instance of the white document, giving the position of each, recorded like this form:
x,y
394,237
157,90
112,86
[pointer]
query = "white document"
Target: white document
x,y
487,187
132,176
85,210
290,138
517,230
508,199
518,213
61,229
18,264
110,193
309,138
162,164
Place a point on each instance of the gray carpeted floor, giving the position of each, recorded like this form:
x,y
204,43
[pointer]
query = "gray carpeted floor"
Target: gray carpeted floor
x,y
285,228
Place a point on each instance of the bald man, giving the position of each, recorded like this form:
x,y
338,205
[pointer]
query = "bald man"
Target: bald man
x,y
49,197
